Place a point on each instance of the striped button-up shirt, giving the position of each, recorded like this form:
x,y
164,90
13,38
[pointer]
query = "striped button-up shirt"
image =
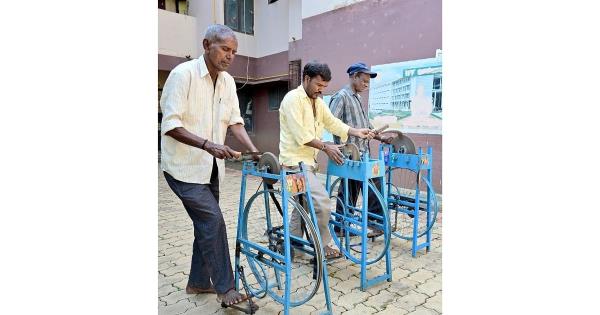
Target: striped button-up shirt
x,y
190,100
346,105
297,126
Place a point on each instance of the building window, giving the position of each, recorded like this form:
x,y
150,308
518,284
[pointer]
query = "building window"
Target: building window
x,y
246,108
239,15
436,94
276,94
177,6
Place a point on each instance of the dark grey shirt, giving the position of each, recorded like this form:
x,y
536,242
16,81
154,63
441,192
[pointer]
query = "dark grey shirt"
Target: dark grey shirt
x,y
346,105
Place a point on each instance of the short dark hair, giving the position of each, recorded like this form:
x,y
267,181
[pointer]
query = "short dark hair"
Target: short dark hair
x,y
315,68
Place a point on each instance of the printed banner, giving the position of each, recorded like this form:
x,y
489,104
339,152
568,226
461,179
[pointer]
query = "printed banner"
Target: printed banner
x,y
408,96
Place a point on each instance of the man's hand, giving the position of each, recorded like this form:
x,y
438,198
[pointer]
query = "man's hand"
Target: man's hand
x,y
385,138
221,151
255,155
334,153
361,133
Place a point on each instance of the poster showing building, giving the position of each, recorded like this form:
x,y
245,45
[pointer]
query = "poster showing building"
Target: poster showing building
x,y
408,96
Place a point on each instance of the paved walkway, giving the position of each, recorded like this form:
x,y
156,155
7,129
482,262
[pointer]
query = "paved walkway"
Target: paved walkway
x,y
416,287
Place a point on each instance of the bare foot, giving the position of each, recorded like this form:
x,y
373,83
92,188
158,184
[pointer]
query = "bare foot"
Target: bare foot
x,y
331,253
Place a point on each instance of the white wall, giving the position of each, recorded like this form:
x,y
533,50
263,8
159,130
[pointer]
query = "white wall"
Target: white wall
x,y
176,34
213,11
315,7
295,20
271,25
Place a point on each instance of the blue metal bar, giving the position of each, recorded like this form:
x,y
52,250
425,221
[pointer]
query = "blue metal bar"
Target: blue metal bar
x,y
406,203
363,254
316,225
378,279
263,260
422,245
286,244
267,207
429,192
251,245
239,236
304,242
346,214
416,212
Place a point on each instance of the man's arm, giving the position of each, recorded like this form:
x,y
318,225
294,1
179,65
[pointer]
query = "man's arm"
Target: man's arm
x,y
239,132
332,150
217,150
339,128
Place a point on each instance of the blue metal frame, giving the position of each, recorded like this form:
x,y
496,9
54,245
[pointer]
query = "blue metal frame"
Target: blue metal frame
x,y
362,171
249,248
418,163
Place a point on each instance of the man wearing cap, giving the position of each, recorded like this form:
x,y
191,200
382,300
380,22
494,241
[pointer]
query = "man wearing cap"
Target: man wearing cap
x,y
346,105
302,118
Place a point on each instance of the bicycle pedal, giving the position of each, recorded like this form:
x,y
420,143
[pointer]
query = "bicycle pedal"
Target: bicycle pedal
x,y
251,309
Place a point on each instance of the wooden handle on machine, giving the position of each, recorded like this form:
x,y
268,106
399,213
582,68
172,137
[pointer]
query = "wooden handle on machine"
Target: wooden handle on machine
x,y
384,127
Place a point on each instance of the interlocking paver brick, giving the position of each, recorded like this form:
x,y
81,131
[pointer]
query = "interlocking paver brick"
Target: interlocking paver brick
x,y
393,310
334,308
165,290
162,280
175,269
421,276
177,308
360,309
435,302
211,306
175,297
420,310
348,285
380,300
430,287
410,301
352,298
399,273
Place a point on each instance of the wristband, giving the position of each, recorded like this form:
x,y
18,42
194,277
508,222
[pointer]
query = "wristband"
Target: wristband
x,y
203,144
323,147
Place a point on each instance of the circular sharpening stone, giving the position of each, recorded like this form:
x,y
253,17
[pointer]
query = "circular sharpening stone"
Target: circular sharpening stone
x,y
351,150
402,143
271,162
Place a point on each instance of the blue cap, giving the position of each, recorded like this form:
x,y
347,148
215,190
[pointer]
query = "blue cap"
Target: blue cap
x,y
360,67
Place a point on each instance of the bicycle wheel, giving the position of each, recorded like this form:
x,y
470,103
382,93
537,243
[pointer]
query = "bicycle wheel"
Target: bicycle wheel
x,y
262,225
402,199
351,245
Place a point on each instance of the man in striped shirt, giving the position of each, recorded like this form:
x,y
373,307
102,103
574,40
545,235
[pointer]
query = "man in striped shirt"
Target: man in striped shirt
x,y
199,103
347,106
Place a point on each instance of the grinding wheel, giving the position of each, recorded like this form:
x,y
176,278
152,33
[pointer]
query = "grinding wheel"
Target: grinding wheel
x,y
402,143
269,160
351,150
